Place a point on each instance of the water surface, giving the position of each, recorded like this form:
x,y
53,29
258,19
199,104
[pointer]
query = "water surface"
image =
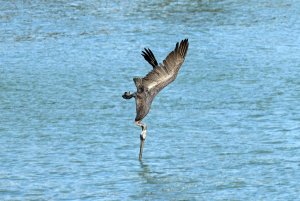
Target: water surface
x,y
226,129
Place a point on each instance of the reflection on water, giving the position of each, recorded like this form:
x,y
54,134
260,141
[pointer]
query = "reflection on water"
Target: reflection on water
x,y
145,173
227,128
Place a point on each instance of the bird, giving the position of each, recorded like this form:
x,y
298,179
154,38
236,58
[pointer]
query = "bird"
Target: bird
x,y
158,78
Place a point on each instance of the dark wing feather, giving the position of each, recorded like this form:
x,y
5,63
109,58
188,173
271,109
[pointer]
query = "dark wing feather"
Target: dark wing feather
x,y
166,72
149,56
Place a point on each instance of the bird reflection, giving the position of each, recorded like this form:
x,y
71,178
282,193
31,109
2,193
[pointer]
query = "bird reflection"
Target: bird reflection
x,y
145,171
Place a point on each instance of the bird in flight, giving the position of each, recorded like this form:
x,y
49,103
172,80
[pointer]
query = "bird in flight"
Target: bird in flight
x,y
149,86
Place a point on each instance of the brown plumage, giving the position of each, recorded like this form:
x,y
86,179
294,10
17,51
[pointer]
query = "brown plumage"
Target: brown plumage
x,y
159,77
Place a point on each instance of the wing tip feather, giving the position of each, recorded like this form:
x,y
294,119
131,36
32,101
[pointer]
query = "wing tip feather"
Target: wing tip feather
x,y
149,56
183,47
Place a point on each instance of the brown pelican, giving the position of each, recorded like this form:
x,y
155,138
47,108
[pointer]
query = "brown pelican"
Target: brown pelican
x,y
148,87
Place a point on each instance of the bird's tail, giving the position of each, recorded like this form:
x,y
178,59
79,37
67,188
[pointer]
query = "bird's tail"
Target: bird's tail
x,y
127,95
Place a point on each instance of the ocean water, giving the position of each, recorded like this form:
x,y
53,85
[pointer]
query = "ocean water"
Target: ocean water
x,y
228,128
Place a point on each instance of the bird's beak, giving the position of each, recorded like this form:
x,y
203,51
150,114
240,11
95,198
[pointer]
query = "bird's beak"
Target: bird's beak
x,y
141,149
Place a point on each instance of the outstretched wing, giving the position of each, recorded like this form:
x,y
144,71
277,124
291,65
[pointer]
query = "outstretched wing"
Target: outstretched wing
x,y
149,56
166,72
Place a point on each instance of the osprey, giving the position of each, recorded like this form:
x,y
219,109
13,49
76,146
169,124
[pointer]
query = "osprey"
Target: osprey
x,y
149,86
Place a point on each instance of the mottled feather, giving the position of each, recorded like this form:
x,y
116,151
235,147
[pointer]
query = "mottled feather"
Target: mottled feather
x,y
160,76
167,71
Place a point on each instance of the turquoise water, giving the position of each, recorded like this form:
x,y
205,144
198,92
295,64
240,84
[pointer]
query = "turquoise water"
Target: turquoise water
x,y
226,129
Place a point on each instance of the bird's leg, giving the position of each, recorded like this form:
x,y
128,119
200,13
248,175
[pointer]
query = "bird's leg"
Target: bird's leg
x,y
127,95
142,137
